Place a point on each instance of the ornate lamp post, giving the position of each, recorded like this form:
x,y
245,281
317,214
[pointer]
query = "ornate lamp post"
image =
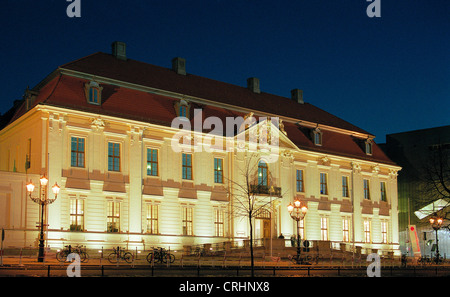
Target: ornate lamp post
x,y
42,200
297,212
436,224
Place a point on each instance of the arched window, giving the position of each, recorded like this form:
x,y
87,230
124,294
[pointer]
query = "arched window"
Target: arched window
x,y
317,134
93,93
182,108
263,173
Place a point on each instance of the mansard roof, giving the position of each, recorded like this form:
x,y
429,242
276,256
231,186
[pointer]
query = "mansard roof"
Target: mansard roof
x,y
127,93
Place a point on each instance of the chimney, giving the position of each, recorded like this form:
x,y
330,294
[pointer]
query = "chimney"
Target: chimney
x,y
119,50
297,95
253,85
179,65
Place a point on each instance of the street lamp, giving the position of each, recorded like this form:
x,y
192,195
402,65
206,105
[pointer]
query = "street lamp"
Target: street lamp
x,y
42,200
436,224
297,212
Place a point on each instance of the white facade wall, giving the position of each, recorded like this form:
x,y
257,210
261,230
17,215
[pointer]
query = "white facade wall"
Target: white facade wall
x,y
96,186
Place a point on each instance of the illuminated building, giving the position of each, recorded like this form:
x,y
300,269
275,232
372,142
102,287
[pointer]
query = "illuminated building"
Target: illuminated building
x,y
100,127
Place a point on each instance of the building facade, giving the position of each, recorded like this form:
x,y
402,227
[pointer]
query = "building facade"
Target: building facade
x,y
102,127
412,150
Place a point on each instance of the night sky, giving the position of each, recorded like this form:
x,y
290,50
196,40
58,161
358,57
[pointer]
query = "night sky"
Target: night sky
x,y
385,75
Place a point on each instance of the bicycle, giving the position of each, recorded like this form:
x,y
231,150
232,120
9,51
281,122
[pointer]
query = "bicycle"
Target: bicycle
x,y
160,255
120,254
61,256
304,260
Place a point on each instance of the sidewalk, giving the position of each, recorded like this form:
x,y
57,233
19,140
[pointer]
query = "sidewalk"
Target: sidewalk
x,y
242,260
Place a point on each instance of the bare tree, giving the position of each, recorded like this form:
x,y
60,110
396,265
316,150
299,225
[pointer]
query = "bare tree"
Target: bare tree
x,y
250,197
436,177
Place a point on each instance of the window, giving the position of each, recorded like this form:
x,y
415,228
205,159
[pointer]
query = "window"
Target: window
x,y
182,108
317,135
263,176
366,230
152,218
28,156
383,191
187,220
218,222
302,229
113,217
300,184
77,152
345,230
93,95
93,92
218,170
113,156
76,214
152,162
323,184
324,228
384,235
345,186
369,145
366,189
187,166
183,111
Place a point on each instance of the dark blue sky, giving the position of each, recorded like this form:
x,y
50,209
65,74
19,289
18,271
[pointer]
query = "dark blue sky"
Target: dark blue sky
x,y
385,75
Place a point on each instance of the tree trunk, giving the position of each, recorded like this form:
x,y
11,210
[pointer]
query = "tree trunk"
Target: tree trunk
x,y
251,247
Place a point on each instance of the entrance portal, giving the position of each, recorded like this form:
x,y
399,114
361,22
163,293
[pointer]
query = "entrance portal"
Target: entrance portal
x,y
262,224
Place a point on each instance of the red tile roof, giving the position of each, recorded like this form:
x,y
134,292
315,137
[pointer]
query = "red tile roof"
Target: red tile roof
x,y
68,91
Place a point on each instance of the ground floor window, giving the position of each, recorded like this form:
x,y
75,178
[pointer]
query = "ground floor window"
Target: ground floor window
x,y
113,218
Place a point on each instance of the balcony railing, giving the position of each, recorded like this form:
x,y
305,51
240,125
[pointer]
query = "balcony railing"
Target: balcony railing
x,y
265,190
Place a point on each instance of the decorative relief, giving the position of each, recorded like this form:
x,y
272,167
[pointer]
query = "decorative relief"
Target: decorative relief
x,y
287,158
356,167
97,124
324,161
375,169
393,173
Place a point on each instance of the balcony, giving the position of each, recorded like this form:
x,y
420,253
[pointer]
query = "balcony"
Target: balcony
x,y
265,190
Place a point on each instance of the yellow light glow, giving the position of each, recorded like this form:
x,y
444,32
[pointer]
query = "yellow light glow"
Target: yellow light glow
x,y
290,207
304,209
55,189
30,187
43,181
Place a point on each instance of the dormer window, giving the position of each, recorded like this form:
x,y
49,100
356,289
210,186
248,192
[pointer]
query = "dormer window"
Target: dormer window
x,y
183,111
93,93
182,108
317,137
368,146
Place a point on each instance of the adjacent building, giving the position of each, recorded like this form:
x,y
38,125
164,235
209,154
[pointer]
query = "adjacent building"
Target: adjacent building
x,y
412,150
102,128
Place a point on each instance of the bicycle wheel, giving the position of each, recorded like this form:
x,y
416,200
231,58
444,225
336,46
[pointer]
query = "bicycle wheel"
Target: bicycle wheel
x,y
150,258
172,258
61,256
157,256
112,258
128,257
84,257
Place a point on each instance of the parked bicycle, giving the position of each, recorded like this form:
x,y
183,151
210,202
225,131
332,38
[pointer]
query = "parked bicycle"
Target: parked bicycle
x,y
61,256
120,254
160,255
304,260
